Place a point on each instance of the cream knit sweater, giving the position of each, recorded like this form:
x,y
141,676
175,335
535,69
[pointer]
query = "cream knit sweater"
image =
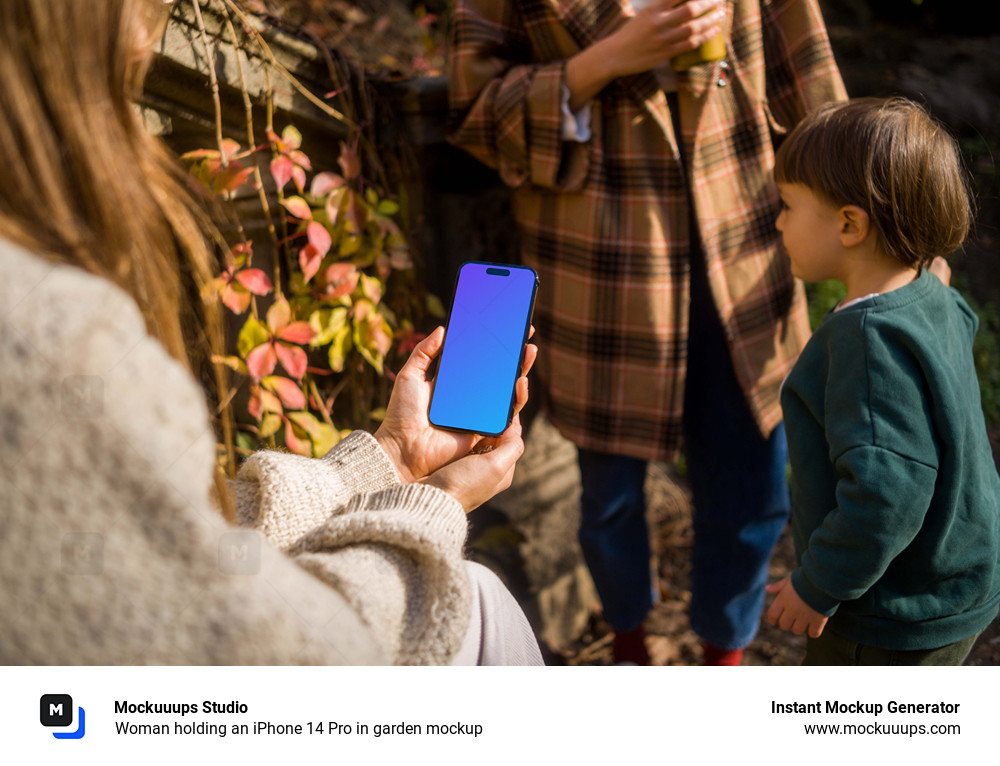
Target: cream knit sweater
x,y
111,551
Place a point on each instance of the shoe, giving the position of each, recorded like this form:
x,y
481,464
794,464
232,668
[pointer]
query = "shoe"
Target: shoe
x,y
713,655
629,647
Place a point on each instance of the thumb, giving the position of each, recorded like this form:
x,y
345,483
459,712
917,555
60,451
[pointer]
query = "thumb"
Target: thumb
x,y
511,440
424,353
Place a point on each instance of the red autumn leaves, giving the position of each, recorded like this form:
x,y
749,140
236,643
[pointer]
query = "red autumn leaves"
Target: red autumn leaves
x,y
284,342
341,246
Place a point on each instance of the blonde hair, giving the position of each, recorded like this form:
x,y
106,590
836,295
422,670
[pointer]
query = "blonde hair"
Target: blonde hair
x,y
894,161
85,183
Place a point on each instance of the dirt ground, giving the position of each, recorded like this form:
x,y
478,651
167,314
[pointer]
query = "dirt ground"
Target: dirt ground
x,y
670,639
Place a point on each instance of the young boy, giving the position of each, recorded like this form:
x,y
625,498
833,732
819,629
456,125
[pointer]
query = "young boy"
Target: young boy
x,y
895,495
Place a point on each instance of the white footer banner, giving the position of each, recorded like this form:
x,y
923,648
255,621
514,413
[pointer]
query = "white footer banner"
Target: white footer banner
x,y
596,715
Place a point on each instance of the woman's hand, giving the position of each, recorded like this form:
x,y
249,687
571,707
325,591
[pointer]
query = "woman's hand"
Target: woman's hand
x,y
662,30
417,448
475,478
657,33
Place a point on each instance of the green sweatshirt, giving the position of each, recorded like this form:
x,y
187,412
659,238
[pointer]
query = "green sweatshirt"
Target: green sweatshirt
x,y
895,496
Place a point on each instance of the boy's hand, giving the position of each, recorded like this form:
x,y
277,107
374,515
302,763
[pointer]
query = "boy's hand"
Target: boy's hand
x,y
939,267
789,612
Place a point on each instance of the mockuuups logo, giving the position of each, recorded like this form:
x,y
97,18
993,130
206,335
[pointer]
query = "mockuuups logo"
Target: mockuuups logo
x,y
57,710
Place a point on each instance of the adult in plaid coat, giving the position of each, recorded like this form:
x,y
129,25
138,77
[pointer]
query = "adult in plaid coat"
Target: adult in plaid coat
x,y
666,312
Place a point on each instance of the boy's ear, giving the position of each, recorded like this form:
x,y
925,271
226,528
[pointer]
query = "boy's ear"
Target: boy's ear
x,y
855,225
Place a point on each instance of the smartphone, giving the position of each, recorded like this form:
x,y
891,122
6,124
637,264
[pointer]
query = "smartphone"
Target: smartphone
x,y
483,348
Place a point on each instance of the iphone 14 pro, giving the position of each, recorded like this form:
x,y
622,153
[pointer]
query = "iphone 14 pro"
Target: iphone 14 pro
x,y
483,350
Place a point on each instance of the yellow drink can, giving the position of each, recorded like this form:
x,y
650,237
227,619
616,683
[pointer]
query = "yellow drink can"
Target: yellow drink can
x,y
711,50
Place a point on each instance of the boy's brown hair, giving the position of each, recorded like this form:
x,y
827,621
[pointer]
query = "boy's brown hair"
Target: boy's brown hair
x,y
894,161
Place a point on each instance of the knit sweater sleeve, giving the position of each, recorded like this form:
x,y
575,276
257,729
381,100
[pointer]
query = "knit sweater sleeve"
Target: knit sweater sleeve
x,y
881,440
285,496
394,551
112,551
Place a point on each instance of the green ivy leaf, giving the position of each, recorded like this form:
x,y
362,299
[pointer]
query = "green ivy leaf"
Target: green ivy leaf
x,y
434,306
387,207
269,425
340,347
292,137
372,334
349,244
327,323
372,288
322,435
370,355
232,362
304,420
251,335
246,441
324,439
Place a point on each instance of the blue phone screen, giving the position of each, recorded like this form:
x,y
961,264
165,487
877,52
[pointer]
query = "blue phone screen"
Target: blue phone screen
x,y
486,332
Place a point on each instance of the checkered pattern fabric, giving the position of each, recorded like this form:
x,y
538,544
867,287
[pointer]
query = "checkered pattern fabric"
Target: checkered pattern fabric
x,y
605,223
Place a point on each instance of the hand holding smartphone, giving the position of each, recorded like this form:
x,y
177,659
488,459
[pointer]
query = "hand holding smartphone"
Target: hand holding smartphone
x,y
483,348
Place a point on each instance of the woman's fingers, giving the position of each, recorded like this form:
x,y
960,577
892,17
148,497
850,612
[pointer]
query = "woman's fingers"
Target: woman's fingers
x,y
695,31
510,448
476,478
530,355
424,353
691,9
683,27
520,394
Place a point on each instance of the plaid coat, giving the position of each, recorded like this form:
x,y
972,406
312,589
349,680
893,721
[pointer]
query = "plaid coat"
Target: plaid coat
x,y
606,223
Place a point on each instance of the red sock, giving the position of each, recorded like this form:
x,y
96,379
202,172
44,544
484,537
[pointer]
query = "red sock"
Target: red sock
x,y
630,646
713,655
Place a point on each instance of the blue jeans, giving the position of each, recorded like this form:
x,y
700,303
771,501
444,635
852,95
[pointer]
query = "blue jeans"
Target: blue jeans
x,y
739,490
